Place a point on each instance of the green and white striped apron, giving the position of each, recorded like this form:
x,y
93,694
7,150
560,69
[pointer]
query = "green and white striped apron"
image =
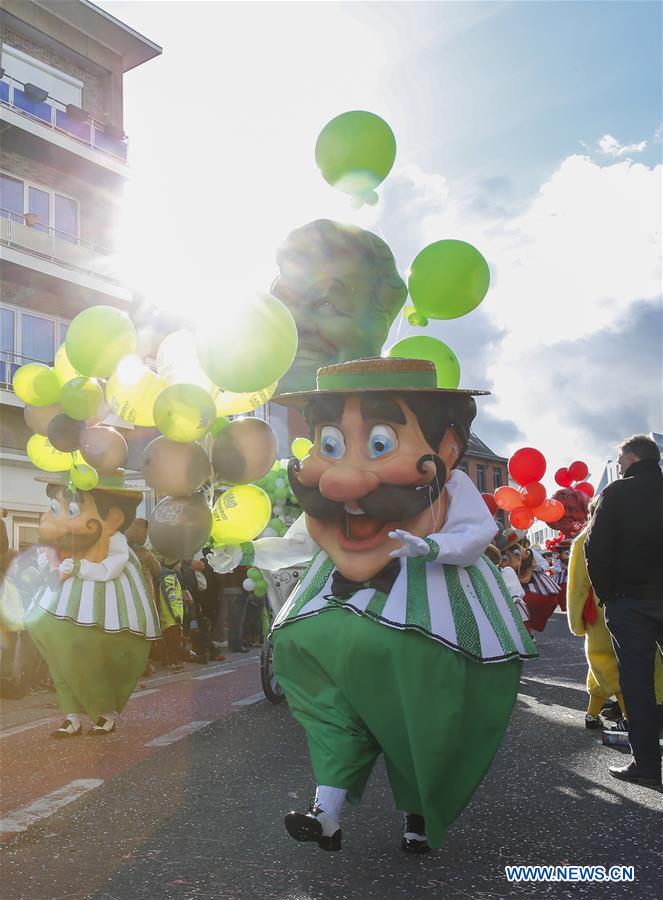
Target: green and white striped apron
x,y
468,609
118,605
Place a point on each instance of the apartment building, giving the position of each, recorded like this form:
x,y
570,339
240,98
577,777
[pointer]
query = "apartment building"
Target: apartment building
x,y
63,166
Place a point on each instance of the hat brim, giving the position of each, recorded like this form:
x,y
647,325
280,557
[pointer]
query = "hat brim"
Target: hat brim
x,y
299,398
124,492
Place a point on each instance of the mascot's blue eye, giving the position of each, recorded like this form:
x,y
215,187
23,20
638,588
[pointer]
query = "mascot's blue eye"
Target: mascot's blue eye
x,y
74,510
55,507
382,439
332,442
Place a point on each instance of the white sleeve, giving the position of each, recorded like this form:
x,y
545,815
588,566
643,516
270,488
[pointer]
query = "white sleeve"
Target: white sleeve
x,y
295,548
469,526
111,567
511,580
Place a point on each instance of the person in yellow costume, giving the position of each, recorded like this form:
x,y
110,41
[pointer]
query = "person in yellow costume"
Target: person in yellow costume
x,y
586,619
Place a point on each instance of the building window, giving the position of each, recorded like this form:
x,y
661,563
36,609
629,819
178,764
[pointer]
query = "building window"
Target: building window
x,y
54,210
481,478
27,337
61,87
497,478
11,198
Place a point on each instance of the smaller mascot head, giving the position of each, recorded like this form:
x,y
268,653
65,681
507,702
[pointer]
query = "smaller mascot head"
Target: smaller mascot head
x,y
79,524
576,506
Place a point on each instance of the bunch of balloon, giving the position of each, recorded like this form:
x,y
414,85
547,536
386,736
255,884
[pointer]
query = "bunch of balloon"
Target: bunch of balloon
x,y
65,403
285,508
529,500
255,583
574,477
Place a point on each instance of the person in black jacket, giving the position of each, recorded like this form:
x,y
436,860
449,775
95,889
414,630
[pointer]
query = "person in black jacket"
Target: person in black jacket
x,y
624,550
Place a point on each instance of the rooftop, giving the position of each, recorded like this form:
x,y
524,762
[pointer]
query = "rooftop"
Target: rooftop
x,y
476,447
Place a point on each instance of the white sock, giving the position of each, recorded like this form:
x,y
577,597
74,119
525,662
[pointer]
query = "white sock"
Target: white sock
x,y
74,718
330,800
110,718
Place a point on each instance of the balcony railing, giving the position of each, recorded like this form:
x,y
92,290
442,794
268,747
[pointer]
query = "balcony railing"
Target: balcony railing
x,y
10,362
54,115
57,246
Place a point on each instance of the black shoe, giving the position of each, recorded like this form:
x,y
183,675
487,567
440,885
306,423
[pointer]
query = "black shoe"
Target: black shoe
x,y
306,827
67,730
593,722
620,725
414,839
100,728
630,773
611,710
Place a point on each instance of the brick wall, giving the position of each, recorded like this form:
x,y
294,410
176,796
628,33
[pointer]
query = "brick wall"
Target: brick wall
x,y
95,89
489,464
36,298
14,433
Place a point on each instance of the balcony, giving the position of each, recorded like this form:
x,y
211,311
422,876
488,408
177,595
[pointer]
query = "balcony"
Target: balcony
x,y
51,121
59,255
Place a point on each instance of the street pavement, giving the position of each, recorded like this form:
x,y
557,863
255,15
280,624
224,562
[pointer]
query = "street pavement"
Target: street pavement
x,y
172,807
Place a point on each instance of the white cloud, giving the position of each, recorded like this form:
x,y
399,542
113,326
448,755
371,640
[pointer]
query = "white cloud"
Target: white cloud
x,y
611,146
569,266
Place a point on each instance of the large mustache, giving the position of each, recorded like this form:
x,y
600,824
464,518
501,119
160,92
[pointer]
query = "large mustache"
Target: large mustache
x,y
75,544
388,503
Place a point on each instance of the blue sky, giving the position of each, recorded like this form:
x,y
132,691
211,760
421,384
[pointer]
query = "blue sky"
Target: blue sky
x,y
531,129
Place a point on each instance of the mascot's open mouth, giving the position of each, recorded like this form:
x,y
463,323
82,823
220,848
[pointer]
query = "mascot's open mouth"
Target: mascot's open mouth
x,y
358,526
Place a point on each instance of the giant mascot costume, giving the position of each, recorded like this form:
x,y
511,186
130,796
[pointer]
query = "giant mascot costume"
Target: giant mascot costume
x,y
92,620
401,638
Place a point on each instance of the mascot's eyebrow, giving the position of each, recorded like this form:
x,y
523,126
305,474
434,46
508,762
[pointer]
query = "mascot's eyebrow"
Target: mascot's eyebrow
x,y
380,408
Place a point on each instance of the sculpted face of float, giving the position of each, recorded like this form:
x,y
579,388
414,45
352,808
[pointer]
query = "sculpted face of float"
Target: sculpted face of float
x,y
343,289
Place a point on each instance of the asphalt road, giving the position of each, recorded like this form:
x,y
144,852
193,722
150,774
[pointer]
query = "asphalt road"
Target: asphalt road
x,y
202,817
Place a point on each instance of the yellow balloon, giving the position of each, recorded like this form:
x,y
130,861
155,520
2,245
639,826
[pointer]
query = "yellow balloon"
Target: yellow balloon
x,y
43,455
131,391
230,404
300,447
36,384
177,362
63,368
240,514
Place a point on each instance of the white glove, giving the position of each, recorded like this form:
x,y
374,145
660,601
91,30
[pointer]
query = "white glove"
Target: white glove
x,y
412,545
65,569
224,559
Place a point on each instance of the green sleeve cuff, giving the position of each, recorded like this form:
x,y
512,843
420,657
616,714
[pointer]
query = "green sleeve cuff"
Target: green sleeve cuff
x,y
433,552
248,554
77,568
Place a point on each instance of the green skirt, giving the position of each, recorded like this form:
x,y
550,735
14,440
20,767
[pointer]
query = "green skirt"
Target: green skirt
x,y
359,688
93,671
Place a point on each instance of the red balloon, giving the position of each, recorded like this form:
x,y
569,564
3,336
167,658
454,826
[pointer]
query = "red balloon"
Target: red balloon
x,y
489,500
563,478
549,511
527,464
534,494
508,498
586,488
578,471
521,517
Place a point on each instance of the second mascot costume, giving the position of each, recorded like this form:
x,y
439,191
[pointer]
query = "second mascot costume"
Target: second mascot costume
x,y
401,638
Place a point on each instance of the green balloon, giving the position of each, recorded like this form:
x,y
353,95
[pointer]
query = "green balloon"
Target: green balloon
x,y
253,350
425,347
448,279
355,153
81,398
260,590
184,412
254,574
98,338
36,384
